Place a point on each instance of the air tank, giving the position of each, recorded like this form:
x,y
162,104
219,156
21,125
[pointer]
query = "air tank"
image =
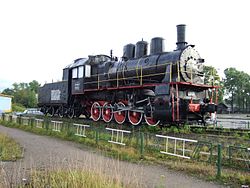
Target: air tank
x,y
156,45
129,51
141,49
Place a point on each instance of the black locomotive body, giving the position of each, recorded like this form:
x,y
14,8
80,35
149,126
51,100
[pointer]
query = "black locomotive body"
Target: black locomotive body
x,y
165,87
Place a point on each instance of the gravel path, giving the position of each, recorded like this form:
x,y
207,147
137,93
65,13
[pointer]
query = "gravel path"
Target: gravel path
x,y
44,151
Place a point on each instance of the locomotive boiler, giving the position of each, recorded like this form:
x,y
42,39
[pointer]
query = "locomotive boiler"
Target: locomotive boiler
x,y
154,87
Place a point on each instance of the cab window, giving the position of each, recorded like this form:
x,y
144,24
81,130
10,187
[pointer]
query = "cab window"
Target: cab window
x,y
87,71
80,72
74,73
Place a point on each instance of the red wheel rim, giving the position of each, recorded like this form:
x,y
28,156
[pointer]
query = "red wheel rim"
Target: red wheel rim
x,y
96,111
120,116
135,118
151,121
107,112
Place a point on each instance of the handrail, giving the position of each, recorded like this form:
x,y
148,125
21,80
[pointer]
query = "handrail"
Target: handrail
x,y
131,77
178,72
140,76
117,80
170,72
134,69
127,78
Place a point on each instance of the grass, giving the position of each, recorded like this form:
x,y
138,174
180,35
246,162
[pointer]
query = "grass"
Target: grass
x,y
131,152
88,171
71,178
9,149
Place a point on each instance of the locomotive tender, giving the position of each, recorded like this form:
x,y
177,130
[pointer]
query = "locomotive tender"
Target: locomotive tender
x,y
166,87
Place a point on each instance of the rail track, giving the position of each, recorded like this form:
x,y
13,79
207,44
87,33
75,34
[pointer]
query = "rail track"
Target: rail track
x,y
220,131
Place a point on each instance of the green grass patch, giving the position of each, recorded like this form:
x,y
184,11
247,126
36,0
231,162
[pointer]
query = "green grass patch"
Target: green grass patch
x,y
72,178
10,150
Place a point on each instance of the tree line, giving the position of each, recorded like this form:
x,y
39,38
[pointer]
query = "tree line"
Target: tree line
x,y
24,94
237,90
234,89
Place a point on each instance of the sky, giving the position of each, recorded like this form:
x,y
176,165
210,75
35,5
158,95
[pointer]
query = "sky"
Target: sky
x,y
38,38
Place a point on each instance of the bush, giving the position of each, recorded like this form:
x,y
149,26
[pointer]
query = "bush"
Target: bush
x,y
17,107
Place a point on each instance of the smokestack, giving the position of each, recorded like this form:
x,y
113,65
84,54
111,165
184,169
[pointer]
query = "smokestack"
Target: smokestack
x,y
181,43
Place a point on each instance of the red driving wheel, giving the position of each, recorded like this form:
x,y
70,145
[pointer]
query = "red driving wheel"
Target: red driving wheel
x,y
120,115
134,117
96,111
151,121
107,112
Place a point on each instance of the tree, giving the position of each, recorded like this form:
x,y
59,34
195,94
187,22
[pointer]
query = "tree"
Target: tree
x,y
237,84
34,86
212,78
8,91
24,93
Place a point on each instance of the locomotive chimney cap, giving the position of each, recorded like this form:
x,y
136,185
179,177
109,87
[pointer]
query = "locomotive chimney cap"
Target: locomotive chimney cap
x,y
180,25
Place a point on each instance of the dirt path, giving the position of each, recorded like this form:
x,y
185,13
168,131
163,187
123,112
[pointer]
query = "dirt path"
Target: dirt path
x,y
43,151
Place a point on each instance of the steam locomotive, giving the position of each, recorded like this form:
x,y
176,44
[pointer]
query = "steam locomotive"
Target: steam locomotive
x,y
166,87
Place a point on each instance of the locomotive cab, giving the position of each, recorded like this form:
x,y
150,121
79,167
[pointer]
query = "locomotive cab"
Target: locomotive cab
x,y
79,72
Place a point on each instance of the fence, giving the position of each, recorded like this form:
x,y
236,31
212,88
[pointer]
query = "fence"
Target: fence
x,y
144,144
25,120
117,136
57,126
235,124
81,129
39,123
175,149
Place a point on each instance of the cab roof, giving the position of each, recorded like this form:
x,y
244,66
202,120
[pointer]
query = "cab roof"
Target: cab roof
x,y
77,62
